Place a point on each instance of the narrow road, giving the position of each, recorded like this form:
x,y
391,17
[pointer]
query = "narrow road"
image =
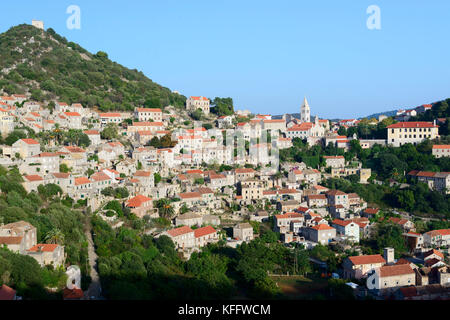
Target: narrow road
x,y
94,291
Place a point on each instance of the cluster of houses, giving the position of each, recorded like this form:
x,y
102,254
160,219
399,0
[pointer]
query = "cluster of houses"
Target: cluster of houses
x,y
424,276
21,237
307,212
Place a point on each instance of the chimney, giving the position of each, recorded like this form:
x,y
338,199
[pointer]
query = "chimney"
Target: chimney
x,y
388,255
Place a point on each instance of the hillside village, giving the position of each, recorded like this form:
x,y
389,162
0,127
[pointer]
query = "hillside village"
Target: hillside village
x,y
205,179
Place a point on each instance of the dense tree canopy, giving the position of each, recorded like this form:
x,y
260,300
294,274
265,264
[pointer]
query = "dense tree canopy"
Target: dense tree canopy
x,y
65,71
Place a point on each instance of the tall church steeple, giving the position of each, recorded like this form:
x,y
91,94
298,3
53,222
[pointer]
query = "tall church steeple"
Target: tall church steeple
x,y
305,112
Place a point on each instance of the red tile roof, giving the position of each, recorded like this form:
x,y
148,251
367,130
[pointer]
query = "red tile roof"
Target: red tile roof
x,y
60,175
10,240
90,132
180,231
287,191
100,176
73,294
342,223
413,124
200,98
317,197
367,259
7,293
204,190
74,149
441,232
30,141
137,201
395,270
44,247
148,124
216,176
402,261
142,173
190,195
148,110
434,251
82,180
72,114
46,154
322,227
110,115
201,232
301,127
336,193
194,171
371,210
289,215
244,170
441,146
34,177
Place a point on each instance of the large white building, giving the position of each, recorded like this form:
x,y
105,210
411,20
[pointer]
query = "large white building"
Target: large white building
x,y
194,103
411,132
148,114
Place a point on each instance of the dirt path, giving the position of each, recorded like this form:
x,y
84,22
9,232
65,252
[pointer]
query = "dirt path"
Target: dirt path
x,y
94,291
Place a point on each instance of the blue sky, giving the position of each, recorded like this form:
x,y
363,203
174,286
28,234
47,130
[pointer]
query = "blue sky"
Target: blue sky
x,y
267,55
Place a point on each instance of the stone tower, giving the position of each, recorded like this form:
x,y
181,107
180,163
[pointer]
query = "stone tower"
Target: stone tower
x,y
305,112
38,24
389,255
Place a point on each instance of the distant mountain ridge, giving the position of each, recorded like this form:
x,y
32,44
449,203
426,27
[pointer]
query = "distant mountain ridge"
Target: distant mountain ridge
x,y
375,115
386,113
49,67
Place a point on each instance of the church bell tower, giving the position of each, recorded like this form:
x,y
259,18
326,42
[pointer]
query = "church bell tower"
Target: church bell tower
x,y
305,112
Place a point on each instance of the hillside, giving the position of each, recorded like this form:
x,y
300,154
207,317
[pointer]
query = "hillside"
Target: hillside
x,y
386,113
49,67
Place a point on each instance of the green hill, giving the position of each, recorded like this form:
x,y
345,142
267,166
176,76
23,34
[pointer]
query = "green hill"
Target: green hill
x,y
49,67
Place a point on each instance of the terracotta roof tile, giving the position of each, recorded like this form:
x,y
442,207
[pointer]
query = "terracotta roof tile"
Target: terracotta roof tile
x,y
7,293
367,259
44,247
33,178
395,270
137,201
201,232
30,141
179,231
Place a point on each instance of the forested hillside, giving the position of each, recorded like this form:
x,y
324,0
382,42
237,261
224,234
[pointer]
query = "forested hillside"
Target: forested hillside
x,y
48,66
56,219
